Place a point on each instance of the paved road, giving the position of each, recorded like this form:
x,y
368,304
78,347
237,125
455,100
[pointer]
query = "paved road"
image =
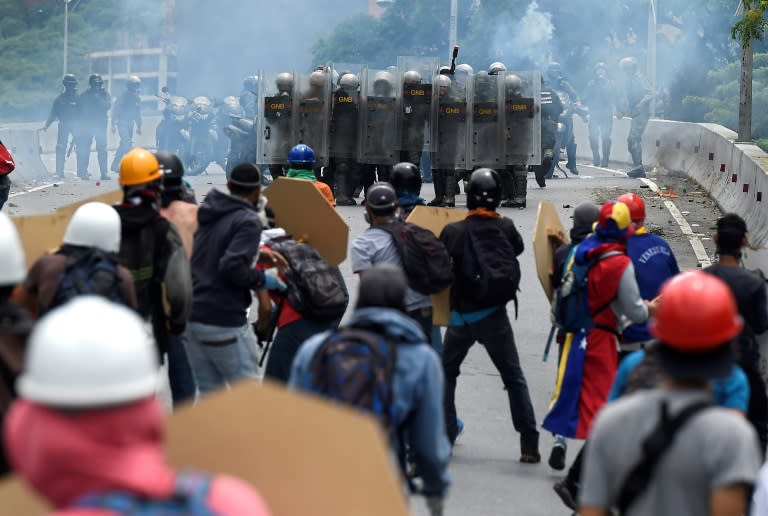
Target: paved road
x,y
488,479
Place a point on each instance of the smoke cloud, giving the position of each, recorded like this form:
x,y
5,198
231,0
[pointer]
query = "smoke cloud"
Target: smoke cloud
x,y
525,41
220,42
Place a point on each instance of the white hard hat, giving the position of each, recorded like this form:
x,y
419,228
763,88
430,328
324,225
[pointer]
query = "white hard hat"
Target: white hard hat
x,y
89,353
13,267
94,224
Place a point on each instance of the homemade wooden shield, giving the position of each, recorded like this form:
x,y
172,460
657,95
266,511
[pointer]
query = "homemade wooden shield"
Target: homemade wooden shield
x,y
42,233
305,455
435,219
305,214
548,235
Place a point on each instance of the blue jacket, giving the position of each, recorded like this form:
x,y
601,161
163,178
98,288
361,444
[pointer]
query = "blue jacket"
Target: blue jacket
x,y
225,247
418,390
654,264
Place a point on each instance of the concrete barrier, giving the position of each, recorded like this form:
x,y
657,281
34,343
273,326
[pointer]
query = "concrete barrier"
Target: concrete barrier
x,y
734,174
24,145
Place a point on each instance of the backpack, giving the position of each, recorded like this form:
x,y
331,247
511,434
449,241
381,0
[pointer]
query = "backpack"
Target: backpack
x,y
189,498
490,269
426,261
315,288
356,367
7,165
570,307
89,271
137,254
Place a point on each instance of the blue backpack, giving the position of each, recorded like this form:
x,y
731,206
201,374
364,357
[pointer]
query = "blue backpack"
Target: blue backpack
x,y
356,367
88,272
570,306
189,498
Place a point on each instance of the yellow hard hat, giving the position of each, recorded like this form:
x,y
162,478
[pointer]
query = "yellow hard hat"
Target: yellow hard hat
x,y
139,167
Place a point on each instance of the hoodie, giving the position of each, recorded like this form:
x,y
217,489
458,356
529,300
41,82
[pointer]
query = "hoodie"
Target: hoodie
x,y
66,455
418,391
225,248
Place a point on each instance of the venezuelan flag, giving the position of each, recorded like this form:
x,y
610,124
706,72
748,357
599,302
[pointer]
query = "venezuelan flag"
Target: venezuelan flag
x,y
563,415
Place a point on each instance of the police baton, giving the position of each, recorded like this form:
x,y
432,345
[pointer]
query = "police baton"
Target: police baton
x,y
453,59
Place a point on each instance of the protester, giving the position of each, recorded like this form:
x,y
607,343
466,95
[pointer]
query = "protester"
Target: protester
x,y
90,439
412,413
222,346
697,459
153,251
86,263
301,165
584,217
591,354
478,316
654,264
749,290
376,245
15,322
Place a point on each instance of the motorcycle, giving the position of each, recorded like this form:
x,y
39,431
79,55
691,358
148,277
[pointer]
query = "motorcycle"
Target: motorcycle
x,y
201,136
171,129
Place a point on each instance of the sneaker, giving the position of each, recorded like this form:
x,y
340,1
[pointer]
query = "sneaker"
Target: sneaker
x,y
557,455
637,172
459,428
566,493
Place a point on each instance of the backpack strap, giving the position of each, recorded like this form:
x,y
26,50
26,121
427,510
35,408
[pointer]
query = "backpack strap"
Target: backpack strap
x,y
653,448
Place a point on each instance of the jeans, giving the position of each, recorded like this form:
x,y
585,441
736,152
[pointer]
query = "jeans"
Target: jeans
x,y
180,376
495,333
423,316
286,345
220,355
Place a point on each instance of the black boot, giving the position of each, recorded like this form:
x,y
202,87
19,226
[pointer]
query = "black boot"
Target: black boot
x,y
449,201
438,178
571,164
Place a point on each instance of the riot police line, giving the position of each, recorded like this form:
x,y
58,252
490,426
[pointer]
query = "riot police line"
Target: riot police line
x,y
358,119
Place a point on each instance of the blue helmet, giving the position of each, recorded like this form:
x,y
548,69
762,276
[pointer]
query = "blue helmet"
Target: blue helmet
x,y
301,155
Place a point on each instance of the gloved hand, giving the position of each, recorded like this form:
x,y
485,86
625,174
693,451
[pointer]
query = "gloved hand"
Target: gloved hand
x,y
435,505
272,282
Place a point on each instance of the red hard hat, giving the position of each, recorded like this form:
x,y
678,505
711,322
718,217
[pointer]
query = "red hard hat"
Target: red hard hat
x,y
636,205
696,313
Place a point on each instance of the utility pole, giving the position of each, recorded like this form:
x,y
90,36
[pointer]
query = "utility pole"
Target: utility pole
x,y
651,58
66,35
453,27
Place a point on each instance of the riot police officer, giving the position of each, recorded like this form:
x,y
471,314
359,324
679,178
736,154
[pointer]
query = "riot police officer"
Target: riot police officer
x,y
249,97
520,111
450,141
563,87
417,100
125,115
379,146
344,168
551,108
281,121
600,98
637,104
93,104
64,110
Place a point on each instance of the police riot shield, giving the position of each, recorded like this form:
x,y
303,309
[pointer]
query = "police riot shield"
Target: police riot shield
x,y
344,128
522,118
486,147
449,124
313,101
379,141
277,125
416,74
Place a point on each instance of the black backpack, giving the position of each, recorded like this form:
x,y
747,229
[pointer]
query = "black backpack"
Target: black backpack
x,y
89,272
315,288
356,367
490,269
426,261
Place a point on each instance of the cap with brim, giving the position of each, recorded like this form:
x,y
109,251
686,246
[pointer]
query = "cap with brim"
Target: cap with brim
x,y
717,363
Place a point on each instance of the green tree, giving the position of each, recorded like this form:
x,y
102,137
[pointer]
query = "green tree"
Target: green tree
x,y
751,27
